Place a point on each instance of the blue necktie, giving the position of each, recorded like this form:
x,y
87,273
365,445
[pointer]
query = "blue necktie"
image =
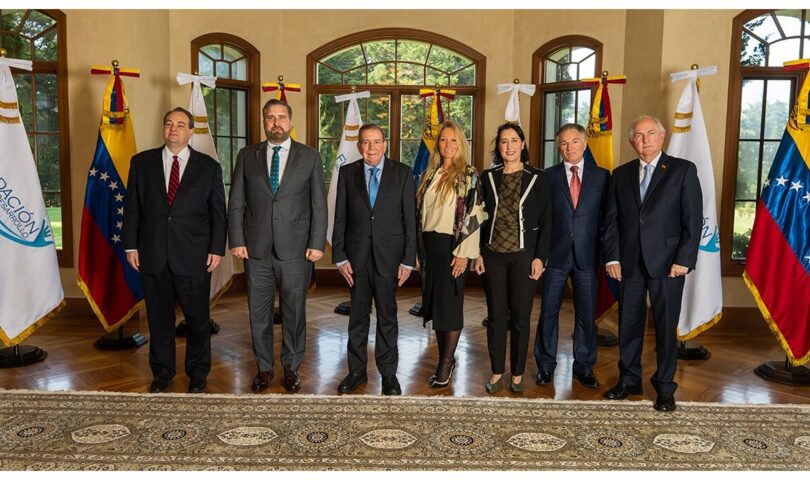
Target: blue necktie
x,y
645,180
373,185
275,164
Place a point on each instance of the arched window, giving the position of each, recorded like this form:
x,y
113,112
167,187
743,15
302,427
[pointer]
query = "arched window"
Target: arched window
x,y
39,36
557,67
761,95
233,107
393,64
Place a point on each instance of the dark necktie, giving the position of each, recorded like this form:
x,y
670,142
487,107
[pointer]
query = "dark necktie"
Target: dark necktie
x,y
576,185
275,165
174,180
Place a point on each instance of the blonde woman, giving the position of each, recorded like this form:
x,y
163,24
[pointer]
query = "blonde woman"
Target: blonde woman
x,y
449,211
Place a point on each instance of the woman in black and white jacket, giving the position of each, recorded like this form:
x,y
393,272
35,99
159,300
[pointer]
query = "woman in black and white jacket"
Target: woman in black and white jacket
x,y
514,249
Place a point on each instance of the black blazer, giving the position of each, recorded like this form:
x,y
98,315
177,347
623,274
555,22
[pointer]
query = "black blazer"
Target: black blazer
x,y
579,229
385,234
184,234
535,208
665,229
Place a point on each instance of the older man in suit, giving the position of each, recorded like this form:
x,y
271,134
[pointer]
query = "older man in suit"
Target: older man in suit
x,y
578,190
277,224
652,234
174,234
374,248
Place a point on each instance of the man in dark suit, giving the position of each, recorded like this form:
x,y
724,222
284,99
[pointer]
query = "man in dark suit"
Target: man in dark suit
x,y
652,233
374,248
578,191
277,224
174,232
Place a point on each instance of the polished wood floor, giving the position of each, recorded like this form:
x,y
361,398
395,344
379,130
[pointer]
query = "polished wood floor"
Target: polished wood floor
x,y
74,364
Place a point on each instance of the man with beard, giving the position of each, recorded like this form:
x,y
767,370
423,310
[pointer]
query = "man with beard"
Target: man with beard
x,y
277,225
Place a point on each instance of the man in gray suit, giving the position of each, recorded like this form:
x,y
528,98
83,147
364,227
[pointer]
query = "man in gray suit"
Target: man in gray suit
x,y
277,224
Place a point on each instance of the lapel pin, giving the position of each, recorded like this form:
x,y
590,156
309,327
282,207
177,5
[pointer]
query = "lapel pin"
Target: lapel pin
x,y
664,166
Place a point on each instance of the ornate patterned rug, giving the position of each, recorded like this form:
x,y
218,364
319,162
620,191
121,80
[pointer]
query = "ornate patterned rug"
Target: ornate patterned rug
x,y
120,431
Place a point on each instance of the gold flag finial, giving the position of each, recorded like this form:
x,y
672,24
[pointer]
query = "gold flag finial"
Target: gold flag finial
x,y
280,78
604,73
438,88
115,63
354,88
695,66
516,81
3,52
196,73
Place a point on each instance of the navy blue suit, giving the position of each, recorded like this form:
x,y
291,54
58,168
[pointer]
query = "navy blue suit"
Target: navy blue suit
x,y
575,251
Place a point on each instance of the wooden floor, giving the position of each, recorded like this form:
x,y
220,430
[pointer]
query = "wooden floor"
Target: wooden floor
x,y
74,364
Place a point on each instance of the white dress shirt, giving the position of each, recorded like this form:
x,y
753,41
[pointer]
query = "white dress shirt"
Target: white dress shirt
x,y
168,159
283,154
568,173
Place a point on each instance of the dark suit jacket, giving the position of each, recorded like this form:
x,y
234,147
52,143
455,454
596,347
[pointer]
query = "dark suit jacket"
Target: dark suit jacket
x,y
291,220
665,229
535,230
184,234
385,234
579,229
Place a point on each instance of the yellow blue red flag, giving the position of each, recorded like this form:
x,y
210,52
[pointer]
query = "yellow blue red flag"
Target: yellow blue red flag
x,y
431,129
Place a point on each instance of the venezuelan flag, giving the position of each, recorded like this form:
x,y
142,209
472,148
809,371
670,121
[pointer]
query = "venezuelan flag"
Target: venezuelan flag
x,y
110,284
777,268
431,131
600,152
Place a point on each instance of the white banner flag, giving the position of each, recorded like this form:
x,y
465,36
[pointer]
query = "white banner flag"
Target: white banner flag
x,y
203,142
347,151
30,287
512,113
702,304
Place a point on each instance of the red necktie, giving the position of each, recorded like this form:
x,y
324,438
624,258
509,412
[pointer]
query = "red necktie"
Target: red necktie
x,y
174,180
576,185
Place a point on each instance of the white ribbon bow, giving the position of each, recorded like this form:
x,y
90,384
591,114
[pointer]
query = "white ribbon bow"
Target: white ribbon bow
x,y
186,78
693,74
349,96
513,105
16,63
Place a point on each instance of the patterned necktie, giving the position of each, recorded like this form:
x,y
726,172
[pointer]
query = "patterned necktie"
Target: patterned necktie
x,y
373,185
275,164
645,180
576,185
174,180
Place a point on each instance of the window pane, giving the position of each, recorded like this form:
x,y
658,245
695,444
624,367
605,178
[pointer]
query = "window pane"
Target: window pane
x,y
36,23
223,112
330,116
768,153
587,68
45,46
230,54
53,204
791,22
328,149
223,70
550,154
743,222
16,46
355,77
24,98
747,164
205,65
10,19
345,59
550,115
48,162
408,150
241,111
446,60
223,153
583,107
562,55
579,53
410,74
465,76
380,51
327,76
213,51
378,110
412,51
435,77
781,52
460,110
569,72
751,108
208,97
778,108
47,111
567,105
764,28
551,72
239,69
752,51
413,116
381,74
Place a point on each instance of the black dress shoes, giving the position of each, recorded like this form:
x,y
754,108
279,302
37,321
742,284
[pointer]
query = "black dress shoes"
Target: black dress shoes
x,y
351,382
291,382
544,377
159,384
589,380
261,381
622,391
197,385
665,402
390,385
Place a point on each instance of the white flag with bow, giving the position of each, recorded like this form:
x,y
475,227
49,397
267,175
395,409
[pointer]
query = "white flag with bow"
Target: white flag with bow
x,y
30,286
202,141
702,303
347,150
513,104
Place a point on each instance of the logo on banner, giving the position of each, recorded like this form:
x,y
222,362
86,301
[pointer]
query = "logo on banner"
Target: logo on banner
x,y
709,240
18,223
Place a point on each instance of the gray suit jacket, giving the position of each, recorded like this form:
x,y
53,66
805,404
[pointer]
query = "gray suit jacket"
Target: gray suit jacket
x,y
290,221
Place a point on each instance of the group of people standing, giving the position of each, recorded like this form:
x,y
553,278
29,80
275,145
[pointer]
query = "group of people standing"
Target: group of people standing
x,y
512,224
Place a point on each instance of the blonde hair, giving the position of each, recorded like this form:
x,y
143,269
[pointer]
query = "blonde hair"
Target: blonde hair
x,y
447,182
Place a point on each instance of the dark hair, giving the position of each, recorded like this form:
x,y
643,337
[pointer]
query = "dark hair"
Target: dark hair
x,y
496,154
183,110
370,126
275,101
569,126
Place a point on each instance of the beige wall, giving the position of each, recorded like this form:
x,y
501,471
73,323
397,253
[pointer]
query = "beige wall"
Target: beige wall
x,y
645,45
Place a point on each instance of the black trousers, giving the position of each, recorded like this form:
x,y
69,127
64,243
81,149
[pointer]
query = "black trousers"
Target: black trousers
x,y
162,291
665,295
585,291
369,284
510,294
